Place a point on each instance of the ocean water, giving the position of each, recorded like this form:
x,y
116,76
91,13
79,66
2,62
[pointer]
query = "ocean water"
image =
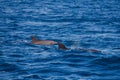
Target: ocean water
x,y
90,24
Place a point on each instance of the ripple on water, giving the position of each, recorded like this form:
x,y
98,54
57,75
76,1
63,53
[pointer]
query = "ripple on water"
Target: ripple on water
x,y
9,67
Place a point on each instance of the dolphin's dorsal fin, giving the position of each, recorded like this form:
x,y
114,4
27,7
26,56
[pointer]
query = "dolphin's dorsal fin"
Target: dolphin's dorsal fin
x,y
34,38
61,46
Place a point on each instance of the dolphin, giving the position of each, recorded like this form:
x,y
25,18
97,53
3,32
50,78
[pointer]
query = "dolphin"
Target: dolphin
x,y
60,45
47,42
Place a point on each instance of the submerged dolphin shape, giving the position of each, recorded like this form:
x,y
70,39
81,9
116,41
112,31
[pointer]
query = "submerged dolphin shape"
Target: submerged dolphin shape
x,y
47,42
89,50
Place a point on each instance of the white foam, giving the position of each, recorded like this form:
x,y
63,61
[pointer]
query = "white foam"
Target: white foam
x,y
33,23
43,10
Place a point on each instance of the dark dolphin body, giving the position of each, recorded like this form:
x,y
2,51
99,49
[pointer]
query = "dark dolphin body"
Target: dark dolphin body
x,y
60,45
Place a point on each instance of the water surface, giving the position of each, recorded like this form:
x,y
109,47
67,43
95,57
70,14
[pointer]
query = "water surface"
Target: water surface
x,y
91,24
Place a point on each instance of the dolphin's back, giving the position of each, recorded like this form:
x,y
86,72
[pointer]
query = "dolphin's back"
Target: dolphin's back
x,y
47,42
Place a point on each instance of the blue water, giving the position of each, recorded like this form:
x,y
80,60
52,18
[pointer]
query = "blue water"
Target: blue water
x,y
90,24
